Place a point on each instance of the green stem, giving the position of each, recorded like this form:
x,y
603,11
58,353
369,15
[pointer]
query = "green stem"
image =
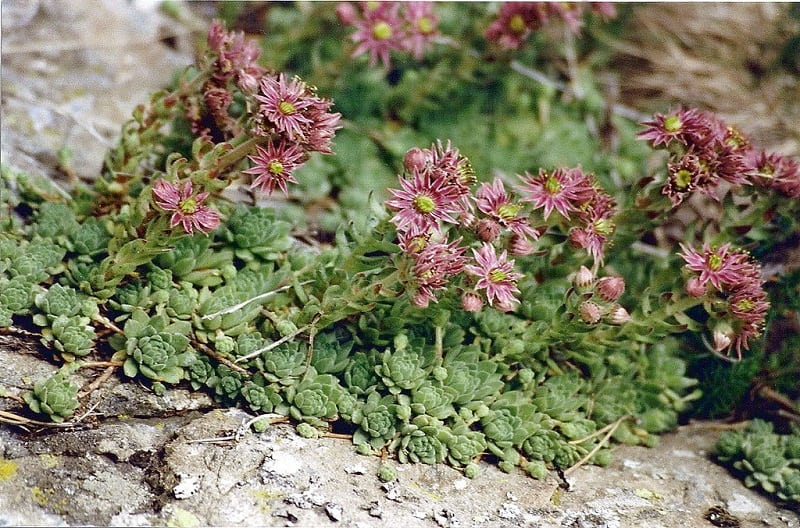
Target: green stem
x,y
238,152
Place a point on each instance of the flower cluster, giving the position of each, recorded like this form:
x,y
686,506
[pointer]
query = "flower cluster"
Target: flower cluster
x,y
434,194
283,123
732,281
517,20
436,198
384,27
599,298
571,191
705,152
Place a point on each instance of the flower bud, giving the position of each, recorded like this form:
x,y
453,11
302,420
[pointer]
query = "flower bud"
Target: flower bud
x,y
420,300
695,287
415,160
488,229
721,341
471,302
346,13
589,312
610,288
619,316
583,278
519,245
468,220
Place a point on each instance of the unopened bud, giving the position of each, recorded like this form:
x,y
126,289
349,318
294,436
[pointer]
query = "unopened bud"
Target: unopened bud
x,y
471,301
619,316
610,288
519,245
415,160
590,312
695,287
584,277
487,229
346,13
420,300
722,341
468,220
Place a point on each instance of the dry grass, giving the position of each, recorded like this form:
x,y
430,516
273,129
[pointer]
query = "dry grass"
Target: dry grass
x,y
718,56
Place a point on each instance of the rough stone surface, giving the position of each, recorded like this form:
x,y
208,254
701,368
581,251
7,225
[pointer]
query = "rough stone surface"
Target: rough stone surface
x,y
71,73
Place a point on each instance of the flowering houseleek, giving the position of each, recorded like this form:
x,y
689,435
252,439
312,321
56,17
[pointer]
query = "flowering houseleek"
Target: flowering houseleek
x,y
496,275
187,208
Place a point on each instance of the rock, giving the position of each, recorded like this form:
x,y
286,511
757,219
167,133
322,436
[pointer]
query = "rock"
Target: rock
x,y
138,459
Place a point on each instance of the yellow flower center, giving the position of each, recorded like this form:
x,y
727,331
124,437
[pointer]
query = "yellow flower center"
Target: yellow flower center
x,y
497,275
714,262
425,275
552,185
672,124
508,211
425,25
745,305
683,178
604,226
417,244
382,31
516,24
287,108
276,167
424,204
188,206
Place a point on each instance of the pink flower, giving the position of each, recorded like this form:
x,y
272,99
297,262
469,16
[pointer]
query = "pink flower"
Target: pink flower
x,y
685,176
685,126
414,240
379,32
719,266
738,281
421,27
188,210
447,160
493,200
496,275
283,105
771,170
514,23
433,268
235,56
570,12
273,166
597,225
520,246
423,202
563,190
324,125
